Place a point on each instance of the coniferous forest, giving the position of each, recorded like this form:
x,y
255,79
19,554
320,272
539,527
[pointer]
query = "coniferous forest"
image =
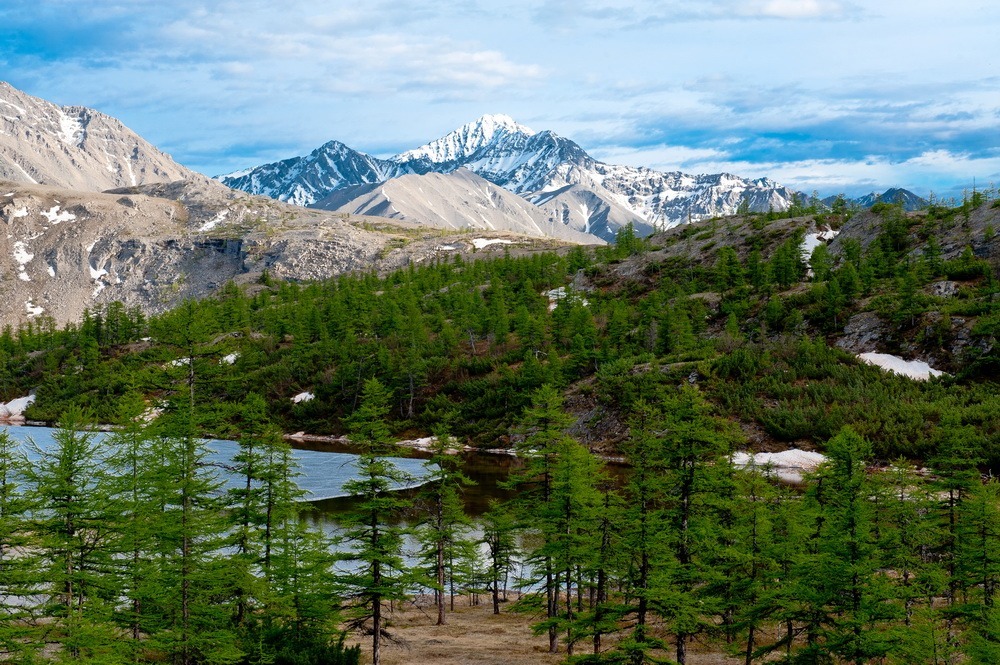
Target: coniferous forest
x,y
669,353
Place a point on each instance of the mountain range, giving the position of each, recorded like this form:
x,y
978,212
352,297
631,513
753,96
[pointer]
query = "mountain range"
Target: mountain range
x,y
551,172
94,214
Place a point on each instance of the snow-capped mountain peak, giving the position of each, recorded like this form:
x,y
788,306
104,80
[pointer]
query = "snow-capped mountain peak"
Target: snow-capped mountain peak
x,y
466,140
550,171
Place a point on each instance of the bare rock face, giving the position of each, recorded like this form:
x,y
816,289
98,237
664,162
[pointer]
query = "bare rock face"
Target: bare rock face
x,y
153,246
74,147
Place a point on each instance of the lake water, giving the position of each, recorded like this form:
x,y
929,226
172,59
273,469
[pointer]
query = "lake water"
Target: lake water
x,y
323,474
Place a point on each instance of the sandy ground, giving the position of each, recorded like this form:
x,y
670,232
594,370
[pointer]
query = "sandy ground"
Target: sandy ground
x,y
475,635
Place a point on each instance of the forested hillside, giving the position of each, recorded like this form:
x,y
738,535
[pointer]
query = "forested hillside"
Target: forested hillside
x,y
726,305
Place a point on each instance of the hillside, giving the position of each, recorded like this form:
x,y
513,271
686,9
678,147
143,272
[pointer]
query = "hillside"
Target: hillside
x,y
726,305
457,200
153,246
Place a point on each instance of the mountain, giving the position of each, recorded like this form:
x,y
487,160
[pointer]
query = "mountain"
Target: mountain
x,y
548,170
94,214
456,200
909,200
305,180
75,147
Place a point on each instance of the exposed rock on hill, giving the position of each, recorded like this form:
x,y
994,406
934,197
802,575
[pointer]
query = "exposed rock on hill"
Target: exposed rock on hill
x,y
74,147
152,246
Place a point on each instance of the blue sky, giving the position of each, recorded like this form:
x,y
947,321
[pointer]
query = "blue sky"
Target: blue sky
x,y
827,95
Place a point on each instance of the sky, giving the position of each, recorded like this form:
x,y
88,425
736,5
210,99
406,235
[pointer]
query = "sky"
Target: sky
x,y
833,96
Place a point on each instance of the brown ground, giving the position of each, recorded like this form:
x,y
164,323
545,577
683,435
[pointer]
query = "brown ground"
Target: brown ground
x,y
475,635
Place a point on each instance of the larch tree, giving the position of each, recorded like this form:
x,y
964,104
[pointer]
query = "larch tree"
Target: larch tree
x,y
378,571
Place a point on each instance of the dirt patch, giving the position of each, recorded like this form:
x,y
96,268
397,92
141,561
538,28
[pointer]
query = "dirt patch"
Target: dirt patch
x,y
475,635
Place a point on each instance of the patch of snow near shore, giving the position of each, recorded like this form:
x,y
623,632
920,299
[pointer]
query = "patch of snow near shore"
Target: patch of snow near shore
x,y
788,465
427,442
303,397
230,359
914,369
151,414
479,243
19,212
16,407
446,248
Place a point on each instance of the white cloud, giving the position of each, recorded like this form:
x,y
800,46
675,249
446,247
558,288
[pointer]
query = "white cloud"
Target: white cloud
x,y
664,158
796,9
940,170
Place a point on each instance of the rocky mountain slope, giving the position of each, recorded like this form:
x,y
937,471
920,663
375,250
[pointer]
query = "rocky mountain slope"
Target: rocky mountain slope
x,y
152,246
909,200
74,147
456,200
549,170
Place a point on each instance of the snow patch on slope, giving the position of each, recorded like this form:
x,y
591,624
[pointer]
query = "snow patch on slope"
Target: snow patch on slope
x,y
70,129
32,309
22,257
54,216
914,369
480,243
215,221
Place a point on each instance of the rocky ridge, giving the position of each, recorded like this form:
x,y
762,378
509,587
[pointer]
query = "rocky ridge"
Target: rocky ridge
x,y
74,147
153,246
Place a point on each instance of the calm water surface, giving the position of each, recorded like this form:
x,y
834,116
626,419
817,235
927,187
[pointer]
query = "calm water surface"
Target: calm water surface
x,y
325,468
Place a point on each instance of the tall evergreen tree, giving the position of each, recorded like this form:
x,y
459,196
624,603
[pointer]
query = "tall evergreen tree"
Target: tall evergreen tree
x,y
69,498
445,530
380,574
15,568
543,428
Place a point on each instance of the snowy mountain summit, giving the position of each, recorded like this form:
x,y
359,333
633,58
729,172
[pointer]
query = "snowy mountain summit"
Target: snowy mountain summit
x,y
466,140
551,172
